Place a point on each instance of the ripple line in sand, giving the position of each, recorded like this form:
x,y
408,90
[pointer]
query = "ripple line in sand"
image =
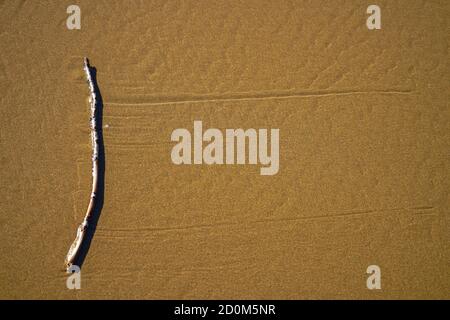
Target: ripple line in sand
x,y
187,99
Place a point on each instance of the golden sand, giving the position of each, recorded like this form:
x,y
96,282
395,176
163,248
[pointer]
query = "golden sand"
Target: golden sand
x,y
364,139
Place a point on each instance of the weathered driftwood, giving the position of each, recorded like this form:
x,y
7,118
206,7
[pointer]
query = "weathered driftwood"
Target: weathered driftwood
x,y
81,231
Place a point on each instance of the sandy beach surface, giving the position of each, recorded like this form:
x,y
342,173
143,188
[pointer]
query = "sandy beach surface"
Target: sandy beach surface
x,y
364,124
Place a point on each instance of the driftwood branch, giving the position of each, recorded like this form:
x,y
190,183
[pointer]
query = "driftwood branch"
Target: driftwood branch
x,y
81,231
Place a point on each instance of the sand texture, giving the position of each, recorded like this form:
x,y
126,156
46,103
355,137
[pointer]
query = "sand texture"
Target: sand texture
x,y
364,125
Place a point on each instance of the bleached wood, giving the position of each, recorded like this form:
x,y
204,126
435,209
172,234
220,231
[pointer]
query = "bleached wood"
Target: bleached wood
x,y
81,231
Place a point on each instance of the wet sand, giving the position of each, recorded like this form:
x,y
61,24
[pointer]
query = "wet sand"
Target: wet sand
x,y
364,139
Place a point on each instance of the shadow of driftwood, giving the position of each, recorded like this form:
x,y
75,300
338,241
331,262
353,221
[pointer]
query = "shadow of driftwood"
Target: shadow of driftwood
x,y
100,195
